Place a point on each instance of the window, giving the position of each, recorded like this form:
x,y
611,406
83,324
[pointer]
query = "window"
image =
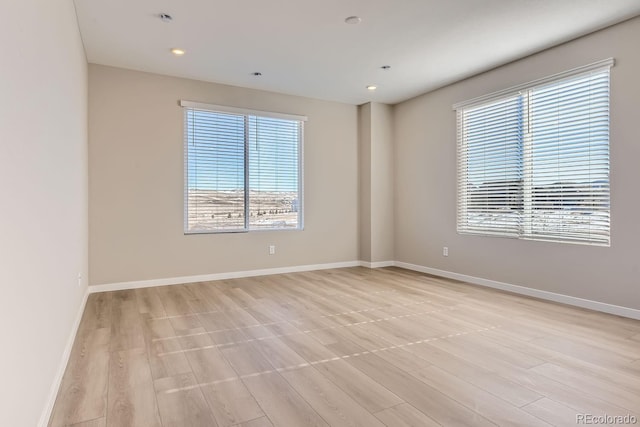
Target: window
x,y
533,161
242,169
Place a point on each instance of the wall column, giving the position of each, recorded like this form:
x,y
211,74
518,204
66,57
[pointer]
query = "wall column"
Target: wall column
x,y
376,182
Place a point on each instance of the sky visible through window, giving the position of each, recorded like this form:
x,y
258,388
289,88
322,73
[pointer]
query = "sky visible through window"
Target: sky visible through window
x,y
218,145
574,128
494,138
495,133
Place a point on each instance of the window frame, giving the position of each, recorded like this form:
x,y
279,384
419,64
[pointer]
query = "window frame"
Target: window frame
x,y
246,113
524,91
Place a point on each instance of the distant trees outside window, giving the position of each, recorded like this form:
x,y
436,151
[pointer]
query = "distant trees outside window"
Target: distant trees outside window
x,y
242,169
533,161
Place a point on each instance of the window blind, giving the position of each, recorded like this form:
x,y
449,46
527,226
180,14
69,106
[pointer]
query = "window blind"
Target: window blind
x,y
273,172
242,171
533,163
490,162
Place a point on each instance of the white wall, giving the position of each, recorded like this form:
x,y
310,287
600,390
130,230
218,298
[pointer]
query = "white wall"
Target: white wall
x,y
43,182
425,189
136,182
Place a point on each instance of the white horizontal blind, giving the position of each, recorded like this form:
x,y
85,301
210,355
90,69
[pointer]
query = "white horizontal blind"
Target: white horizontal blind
x,y
569,172
242,172
214,161
490,168
273,172
535,164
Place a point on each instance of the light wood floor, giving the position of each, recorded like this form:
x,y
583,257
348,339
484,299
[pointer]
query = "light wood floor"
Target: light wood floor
x,y
347,347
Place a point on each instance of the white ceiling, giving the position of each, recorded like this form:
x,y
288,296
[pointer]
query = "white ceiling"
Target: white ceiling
x,y
304,47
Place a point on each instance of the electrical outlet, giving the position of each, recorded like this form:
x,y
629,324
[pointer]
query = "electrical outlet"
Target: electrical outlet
x,y
272,249
445,251
79,280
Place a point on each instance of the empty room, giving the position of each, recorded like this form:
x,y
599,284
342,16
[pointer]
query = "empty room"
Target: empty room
x,y
341,213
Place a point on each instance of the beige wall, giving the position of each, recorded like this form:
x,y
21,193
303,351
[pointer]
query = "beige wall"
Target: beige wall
x,y
425,185
375,155
43,182
364,181
382,179
136,182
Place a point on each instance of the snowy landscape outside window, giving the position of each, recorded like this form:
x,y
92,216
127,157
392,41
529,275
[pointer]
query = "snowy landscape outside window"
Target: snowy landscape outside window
x,y
533,161
242,170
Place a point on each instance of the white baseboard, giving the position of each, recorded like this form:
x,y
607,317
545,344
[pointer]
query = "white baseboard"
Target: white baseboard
x,y
218,276
377,264
55,386
522,290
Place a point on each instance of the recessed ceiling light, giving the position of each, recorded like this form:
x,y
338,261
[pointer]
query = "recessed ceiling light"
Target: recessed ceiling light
x,y
257,74
177,51
372,87
386,67
353,20
166,17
